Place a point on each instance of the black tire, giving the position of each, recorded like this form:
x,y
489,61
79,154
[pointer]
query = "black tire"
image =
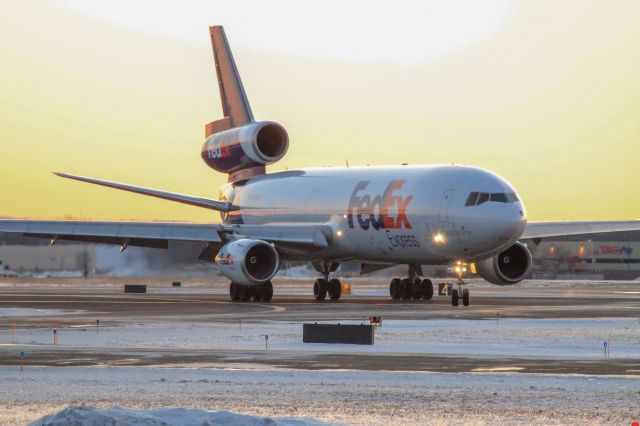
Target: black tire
x,y
255,292
406,289
266,292
454,297
416,290
465,297
427,289
239,292
395,288
320,289
244,293
335,289
233,292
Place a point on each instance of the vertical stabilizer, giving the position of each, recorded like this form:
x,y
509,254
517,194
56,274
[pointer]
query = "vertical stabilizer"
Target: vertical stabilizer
x,y
235,104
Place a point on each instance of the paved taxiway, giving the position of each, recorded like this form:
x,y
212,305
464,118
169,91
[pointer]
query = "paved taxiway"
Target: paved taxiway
x,y
508,335
76,304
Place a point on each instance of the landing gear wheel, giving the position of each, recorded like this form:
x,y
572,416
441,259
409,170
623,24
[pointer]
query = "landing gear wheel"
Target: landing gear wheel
x,y
395,288
244,293
320,289
256,292
465,297
427,289
454,297
233,292
334,288
266,291
416,289
406,289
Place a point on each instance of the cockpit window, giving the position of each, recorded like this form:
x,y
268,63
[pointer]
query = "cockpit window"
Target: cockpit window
x,y
500,197
477,198
471,200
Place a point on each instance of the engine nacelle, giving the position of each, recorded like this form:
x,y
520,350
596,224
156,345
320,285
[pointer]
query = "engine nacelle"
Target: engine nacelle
x,y
254,144
508,267
248,261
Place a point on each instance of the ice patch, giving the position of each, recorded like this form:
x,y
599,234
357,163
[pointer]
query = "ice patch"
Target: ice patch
x,y
28,312
89,416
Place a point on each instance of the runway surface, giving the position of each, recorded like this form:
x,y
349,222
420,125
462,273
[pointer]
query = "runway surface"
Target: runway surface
x,y
543,329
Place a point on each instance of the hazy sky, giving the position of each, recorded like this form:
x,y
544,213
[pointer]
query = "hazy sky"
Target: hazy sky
x,y
545,93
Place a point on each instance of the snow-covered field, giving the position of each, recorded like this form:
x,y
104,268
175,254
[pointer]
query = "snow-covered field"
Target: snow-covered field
x,y
561,338
89,416
349,397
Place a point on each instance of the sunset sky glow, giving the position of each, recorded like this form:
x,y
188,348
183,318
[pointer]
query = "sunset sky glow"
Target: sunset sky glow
x,y
544,93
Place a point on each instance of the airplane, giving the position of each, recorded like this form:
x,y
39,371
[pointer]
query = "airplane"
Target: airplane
x,y
379,216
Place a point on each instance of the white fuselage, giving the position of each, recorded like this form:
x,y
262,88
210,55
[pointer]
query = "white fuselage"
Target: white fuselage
x,y
399,214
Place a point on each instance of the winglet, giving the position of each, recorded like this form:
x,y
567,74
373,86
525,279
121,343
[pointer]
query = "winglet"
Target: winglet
x,y
235,104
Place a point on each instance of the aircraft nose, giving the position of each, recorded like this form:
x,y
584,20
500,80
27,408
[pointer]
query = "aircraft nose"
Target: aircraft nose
x,y
515,219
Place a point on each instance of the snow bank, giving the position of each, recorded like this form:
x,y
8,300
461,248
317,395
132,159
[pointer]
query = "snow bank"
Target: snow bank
x,y
89,416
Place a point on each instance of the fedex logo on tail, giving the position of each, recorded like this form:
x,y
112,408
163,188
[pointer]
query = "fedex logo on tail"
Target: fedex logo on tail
x,y
373,210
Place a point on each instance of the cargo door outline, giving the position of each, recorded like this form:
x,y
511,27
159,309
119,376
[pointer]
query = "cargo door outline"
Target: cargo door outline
x,y
445,201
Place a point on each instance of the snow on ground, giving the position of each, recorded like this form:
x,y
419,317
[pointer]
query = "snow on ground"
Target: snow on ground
x,y
574,337
89,416
349,397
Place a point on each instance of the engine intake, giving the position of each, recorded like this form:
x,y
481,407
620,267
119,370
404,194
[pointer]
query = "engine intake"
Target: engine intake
x,y
508,267
254,144
248,262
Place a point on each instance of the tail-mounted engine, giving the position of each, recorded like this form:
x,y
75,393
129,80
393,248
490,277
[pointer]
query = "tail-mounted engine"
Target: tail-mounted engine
x,y
248,262
237,144
508,267
245,147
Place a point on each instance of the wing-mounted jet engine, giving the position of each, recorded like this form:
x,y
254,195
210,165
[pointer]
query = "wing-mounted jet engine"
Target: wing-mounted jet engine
x,y
508,267
250,265
237,144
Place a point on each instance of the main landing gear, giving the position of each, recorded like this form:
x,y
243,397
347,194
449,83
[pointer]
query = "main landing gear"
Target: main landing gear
x,y
246,293
327,286
412,287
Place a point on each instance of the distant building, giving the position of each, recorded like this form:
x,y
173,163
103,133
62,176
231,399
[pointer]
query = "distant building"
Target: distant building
x,y
44,258
35,256
603,259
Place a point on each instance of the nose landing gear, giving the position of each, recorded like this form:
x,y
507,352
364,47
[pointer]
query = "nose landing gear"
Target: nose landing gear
x,y
455,296
460,294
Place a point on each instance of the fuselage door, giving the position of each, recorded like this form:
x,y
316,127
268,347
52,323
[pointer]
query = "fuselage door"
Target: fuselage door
x,y
445,200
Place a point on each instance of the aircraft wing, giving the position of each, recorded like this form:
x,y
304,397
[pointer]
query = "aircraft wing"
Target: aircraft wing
x,y
122,233
158,234
535,230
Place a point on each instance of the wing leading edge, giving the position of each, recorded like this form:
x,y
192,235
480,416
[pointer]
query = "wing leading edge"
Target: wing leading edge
x,y
535,230
293,238
171,196
156,235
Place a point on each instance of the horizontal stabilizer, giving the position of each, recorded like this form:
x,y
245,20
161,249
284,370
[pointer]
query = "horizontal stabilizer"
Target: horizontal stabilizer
x,y
179,198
